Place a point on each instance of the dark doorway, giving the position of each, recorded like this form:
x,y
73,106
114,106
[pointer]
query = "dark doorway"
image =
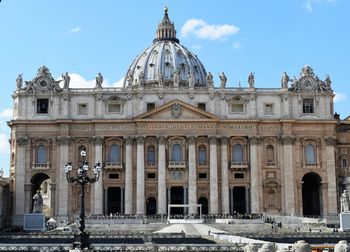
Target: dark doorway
x,y
239,203
114,200
204,202
151,206
177,197
311,194
37,182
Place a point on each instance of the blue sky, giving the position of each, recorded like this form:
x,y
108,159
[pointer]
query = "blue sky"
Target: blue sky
x,y
84,37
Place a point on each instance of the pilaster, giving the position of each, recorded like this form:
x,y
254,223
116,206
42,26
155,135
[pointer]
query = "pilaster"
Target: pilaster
x,y
128,175
213,175
98,188
192,174
161,175
224,177
254,175
331,176
140,175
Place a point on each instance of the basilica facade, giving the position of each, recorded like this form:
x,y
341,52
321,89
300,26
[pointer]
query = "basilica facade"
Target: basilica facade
x,y
171,135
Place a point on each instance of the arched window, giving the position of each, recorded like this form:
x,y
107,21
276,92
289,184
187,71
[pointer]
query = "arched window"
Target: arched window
x,y
176,153
41,154
270,157
151,154
114,153
237,153
310,154
202,155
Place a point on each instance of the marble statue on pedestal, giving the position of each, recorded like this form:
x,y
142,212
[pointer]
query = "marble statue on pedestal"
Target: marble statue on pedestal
x,y
38,203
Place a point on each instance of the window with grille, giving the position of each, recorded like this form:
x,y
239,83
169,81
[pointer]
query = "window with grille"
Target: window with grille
x,y
151,155
268,109
201,105
114,108
237,108
308,106
41,154
176,153
42,106
202,155
150,106
114,153
237,153
82,109
310,155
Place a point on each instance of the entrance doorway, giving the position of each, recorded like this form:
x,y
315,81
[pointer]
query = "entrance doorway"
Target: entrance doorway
x,y
204,202
114,200
42,182
239,202
151,206
177,197
311,194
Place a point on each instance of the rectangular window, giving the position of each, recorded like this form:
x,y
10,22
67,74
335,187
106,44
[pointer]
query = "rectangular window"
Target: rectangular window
x,y
113,176
114,108
42,106
201,105
202,175
308,106
268,109
150,106
82,109
239,175
344,162
236,108
151,175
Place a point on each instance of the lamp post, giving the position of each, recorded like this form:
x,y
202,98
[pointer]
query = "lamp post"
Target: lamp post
x,y
82,178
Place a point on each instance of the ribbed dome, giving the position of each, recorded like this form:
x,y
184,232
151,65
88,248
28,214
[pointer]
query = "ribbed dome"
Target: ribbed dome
x,y
166,63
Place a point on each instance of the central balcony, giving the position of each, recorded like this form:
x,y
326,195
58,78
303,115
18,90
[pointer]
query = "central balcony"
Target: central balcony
x,y
177,165
114,165
239,166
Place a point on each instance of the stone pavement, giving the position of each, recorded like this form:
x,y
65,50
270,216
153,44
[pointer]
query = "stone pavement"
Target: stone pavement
x,y
190,229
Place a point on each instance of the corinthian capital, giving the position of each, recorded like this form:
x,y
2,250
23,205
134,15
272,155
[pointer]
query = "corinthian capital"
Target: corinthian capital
x,y
161,139
21,140
213,139
140,139
329,140
97,140
287,139
191,139
63,140
129,139
254,140
224,139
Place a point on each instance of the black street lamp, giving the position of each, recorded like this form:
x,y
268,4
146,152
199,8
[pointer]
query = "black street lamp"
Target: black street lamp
x,y
82,178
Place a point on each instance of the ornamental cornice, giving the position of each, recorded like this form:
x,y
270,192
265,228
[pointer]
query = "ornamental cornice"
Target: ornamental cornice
x,y
21,141
191,139
161,139
213,139
140,139
330,141
129,139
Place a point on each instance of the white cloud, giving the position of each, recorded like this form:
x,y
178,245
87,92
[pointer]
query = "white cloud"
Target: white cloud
x,y
201,29
237,45
75,29
78,81
6,113
308,4
339,97
4,144
119,83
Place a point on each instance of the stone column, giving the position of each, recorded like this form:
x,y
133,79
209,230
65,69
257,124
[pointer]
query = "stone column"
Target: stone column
x,y
53,201
161,176
28,198
62,195
192,174
288,171
140,175
20,165
128,176
224,177
254,175
331,176
98,189
213,175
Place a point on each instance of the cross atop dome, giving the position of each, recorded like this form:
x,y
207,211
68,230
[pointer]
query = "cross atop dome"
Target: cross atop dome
x,y
166,29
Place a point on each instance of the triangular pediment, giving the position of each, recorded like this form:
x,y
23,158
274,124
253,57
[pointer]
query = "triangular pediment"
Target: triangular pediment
x,y
176,110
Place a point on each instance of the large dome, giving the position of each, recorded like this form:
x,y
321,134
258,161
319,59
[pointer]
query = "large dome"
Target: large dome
x,y
166,63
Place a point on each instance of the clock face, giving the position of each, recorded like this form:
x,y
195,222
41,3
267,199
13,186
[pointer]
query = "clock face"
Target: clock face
x,y
42,83
308,83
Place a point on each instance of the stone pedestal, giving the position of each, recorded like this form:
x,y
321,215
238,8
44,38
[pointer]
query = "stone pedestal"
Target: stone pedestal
x,y
34,222
344,221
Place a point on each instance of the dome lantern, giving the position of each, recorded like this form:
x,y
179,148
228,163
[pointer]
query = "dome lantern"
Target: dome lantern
x,y
166,29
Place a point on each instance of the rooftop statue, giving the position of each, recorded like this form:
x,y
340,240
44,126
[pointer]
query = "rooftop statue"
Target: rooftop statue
x,y
99,80
210,79
176,77
66,80
223,80
284,80
19,81
251,80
